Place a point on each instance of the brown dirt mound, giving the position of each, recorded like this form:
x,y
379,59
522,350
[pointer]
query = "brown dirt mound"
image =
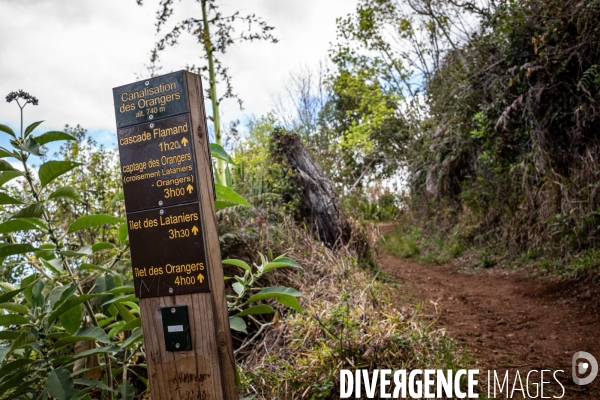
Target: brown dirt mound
x,y
510,321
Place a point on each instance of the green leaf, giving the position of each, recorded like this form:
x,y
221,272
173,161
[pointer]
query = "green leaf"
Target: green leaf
x,y
60,384
289,301
84,333
3,352
55,295
127,390
68,192
13,319
96,268
53,136
273,292
237,324
9,335
68,293
15,307
6,153
104,283
114,328
131,325
260,309
7,287
5,166
13,249
96,247
124,312
120,299
93,383
30,146
137,335
90,221
83,251
122,289
219,152
7,296
8,130
23,340
123,233
25,386
118,197
35,210
237,263
15,225
6,199
28,283
238,288
6,176
37,299
281,262
31,127
70,303
13,380
51,170
55,265
42,225
14,365
219,205
98,350
71,319
229,195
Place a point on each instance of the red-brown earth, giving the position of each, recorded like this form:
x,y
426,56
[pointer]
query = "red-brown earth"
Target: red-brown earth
x,y
508,320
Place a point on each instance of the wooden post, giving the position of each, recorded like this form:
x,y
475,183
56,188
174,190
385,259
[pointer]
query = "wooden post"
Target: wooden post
x,y
176,259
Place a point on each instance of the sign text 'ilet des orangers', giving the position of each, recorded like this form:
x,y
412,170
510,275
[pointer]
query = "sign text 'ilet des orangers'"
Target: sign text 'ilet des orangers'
x,y
175,257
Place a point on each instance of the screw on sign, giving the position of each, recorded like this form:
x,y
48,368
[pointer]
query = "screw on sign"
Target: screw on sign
x,y
169,199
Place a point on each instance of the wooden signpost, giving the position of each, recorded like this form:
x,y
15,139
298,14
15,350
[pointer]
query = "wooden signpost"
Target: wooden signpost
x,y
175,255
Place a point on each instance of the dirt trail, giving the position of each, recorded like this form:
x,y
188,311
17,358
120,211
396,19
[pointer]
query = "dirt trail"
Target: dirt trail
x,y
510,321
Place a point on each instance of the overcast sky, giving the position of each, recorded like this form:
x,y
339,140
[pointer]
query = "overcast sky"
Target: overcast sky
x,y
71,53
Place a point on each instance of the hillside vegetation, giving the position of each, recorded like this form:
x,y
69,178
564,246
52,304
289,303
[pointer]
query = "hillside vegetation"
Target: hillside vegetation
x,y
493,111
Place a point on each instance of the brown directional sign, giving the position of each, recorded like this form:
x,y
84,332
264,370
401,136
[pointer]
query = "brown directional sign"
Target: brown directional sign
x,y
151,99
175,256
157,163
168,253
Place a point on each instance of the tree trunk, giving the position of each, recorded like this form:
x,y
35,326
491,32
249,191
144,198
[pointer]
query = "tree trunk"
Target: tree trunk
x,y
318,204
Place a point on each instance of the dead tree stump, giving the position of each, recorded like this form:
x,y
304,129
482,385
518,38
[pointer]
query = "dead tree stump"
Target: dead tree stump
x,y
319,206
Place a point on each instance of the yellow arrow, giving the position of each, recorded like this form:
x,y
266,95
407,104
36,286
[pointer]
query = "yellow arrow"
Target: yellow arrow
x,y
190,188
184,142
195,230
200,278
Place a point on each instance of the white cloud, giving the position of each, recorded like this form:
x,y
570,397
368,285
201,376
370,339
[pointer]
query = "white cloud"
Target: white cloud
x,y
71,53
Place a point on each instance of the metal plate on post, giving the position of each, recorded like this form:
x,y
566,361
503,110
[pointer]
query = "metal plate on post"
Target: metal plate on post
x,y
151,99
157,163
176,328
168,251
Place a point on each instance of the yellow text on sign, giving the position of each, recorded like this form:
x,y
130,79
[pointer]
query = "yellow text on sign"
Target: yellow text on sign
x,y
188,268
163,221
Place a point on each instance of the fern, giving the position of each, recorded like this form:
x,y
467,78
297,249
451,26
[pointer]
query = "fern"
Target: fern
x,y
589,79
